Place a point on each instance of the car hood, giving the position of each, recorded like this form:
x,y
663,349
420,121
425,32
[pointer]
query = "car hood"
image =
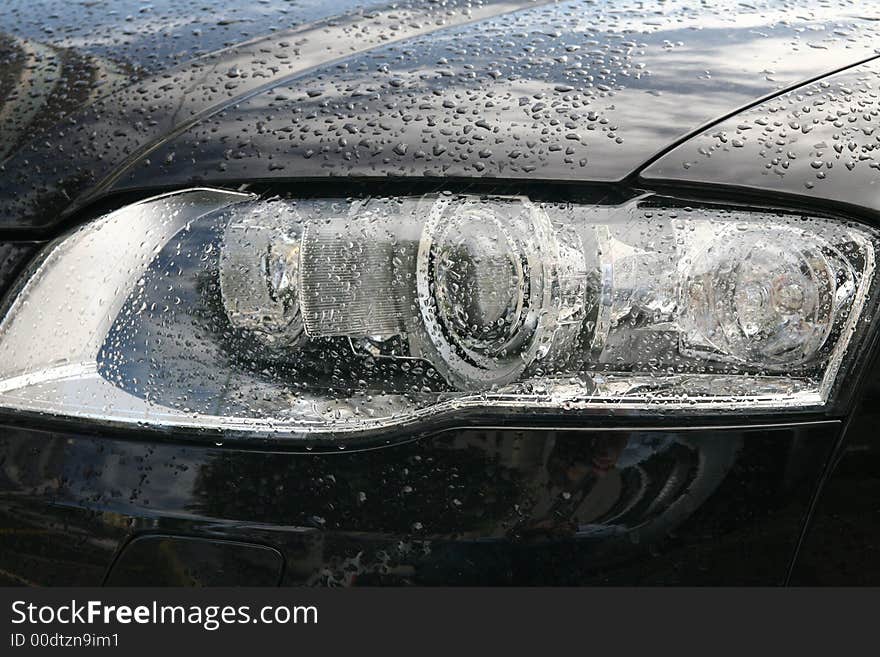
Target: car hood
x,y
108,97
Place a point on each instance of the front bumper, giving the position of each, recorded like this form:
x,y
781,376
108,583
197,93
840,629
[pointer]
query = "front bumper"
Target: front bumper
x,y
479,506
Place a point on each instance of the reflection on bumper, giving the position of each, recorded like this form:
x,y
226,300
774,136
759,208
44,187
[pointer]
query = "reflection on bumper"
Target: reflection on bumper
x,y
464,507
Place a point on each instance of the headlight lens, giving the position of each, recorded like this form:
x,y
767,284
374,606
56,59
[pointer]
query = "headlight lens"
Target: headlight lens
x,y
331,316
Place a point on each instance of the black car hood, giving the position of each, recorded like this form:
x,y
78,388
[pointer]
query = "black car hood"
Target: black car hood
x,y
168,95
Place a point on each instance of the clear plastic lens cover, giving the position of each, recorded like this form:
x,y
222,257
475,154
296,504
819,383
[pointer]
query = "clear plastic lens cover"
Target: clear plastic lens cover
x,y
212,309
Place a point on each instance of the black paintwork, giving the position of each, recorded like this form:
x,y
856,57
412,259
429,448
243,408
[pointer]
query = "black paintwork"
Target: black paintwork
x,y
842,545
13,256
98,104
506,90
159,560
464,507
817,142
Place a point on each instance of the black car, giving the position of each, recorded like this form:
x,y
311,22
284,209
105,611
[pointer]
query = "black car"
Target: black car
x,y
439,292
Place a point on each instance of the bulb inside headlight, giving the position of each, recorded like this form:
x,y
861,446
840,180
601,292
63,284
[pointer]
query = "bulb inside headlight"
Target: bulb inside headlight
x,y
339,316
770,297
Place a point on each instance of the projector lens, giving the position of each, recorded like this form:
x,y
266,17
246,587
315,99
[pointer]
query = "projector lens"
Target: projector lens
x,y
769,298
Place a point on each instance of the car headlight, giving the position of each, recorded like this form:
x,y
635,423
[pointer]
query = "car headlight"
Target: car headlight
x,y
218,310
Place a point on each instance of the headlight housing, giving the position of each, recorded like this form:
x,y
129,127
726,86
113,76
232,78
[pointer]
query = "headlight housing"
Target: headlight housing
x,y
216,310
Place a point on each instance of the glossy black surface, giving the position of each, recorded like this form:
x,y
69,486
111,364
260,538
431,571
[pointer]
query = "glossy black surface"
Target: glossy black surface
x,y
160,560
143,38
820,142
563,93
519,90
842,546
97,101
465,507
13,256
